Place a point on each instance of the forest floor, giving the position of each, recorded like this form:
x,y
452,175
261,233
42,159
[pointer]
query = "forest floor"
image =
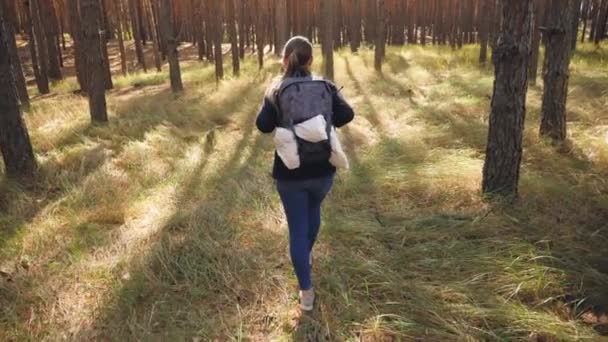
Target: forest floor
x,y
165,225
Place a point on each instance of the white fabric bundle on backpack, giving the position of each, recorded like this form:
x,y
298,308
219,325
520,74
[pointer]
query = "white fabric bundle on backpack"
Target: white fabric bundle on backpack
x,y
338,157
287,147
312,130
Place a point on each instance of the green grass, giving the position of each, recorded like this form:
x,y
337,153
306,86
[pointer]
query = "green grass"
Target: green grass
x,y
165,225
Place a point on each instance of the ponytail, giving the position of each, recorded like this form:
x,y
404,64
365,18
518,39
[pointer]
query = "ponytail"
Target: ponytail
x,y
298,52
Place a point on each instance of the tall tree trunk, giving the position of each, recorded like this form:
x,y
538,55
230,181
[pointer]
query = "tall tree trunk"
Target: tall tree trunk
x,y
576,16
539,10
92,41
104,33
231,18
595,10
10,24
327,11
120,33
380,34
259,32
76,32
19,160
511,54
557,62
135,25
166,13
155,40
218,36
281,24
39,37
242,26
585,18
49,22
484,30
602,21
355,26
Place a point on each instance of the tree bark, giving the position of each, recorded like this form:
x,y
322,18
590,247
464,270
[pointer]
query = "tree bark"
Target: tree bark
x,y
380,34
242,27
557,61
511,55
576,16
327,11
539,10
120,33
166,15
281,25
218,35
91,41
602,21
259,32
135,26
39,38
585,18
155,40
17,153
231,18
10,14
49,22
484,30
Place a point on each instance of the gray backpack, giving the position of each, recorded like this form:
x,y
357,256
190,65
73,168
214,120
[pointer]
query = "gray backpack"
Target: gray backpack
x,y
300,99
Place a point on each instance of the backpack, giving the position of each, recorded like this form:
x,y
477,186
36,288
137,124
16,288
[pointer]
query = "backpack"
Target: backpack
x,y
300,99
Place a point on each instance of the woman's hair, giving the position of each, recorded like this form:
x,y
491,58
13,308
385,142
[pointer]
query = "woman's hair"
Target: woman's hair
x,y
298,52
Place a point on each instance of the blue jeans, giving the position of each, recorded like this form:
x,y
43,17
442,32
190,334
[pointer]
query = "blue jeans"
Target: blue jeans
x,y
302,203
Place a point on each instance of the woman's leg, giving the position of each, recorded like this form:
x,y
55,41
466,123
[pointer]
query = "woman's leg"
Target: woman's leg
x,y
295,202
318,191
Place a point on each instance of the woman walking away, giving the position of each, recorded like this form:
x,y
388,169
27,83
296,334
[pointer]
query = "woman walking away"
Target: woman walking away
x,y
303,111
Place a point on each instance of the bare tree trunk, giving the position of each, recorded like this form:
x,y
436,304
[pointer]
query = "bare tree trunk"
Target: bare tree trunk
x,y
166,13
327,11
231,23
576,16
511,54
281,24
19,160
595,10
484,30
380,34
585,18
120,33
49,22
104,34
139,50
259,32
602,21
38,34
355,26
92,41
218,35
155,40
242,27
557,62
539,10
10,24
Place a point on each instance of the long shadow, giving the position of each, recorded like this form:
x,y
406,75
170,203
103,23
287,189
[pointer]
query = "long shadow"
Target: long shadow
x,y
199,264
373,116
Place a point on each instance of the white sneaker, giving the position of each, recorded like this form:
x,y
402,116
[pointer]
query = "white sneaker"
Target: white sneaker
x,y
307,299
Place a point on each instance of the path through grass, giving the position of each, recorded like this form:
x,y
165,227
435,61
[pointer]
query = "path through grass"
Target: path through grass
x,y
164,225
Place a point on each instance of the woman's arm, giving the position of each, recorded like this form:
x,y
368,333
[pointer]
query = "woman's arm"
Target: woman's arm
x,y
267,117
343,112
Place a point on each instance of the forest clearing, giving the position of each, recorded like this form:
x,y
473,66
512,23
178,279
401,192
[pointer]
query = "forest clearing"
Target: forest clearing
x,y
163,222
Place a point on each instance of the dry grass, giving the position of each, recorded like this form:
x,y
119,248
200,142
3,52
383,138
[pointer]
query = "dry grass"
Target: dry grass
x,y
164,224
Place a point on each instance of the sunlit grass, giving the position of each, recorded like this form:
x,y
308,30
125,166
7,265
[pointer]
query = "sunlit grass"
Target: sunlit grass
x,y
164,223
